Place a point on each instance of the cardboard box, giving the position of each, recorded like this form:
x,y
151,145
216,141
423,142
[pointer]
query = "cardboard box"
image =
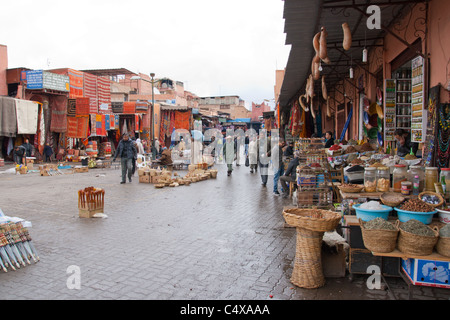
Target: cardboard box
x,y
144,179
427,273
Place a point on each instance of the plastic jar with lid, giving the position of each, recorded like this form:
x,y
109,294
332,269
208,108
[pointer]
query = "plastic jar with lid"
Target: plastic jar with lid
x,y
406,188
445,172
417,170
370,179
383,179
431,177
400,174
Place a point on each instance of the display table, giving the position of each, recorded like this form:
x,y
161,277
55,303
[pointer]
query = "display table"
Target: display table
x,y
368,195
390,263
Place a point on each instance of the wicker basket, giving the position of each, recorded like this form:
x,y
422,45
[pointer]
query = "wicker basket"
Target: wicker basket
x,y
348,189
414,244
441,199
391,199
443,246
378,240
213,174
308,272
312,219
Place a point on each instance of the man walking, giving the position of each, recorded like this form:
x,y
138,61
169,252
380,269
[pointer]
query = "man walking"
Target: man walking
x,y
127,152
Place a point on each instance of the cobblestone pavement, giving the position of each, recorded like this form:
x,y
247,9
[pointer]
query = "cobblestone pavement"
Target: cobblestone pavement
x,y
219,239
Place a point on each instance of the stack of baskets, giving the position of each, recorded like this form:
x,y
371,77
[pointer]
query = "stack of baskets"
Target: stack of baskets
x,y
310,224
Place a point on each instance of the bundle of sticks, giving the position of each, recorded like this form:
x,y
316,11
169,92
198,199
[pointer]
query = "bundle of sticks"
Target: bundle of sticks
x,y
91,198
16,247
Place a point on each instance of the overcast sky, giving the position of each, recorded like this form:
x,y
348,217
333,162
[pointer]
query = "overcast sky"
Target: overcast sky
x,y
230,47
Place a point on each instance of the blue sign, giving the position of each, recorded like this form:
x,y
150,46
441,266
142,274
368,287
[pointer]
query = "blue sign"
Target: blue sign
x,y
35,79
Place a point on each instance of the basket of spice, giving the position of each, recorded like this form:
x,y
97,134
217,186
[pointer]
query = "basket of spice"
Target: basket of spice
x,y
379,235
350,188
433,199
415,209
391,199
416,238
443,244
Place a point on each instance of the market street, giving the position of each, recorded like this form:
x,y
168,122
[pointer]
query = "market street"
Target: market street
x,y
222,238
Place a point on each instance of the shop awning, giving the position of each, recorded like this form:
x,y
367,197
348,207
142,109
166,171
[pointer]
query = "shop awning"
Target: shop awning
x,y
304,18
171,107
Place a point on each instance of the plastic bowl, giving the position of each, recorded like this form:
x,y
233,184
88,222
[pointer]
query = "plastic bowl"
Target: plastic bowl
x,y
367,215
425,217
444,216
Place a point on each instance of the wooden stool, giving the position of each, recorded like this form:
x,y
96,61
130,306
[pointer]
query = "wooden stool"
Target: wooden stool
x,y
292,185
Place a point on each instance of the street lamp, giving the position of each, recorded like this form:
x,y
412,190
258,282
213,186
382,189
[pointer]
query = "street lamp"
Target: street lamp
x,y
152,75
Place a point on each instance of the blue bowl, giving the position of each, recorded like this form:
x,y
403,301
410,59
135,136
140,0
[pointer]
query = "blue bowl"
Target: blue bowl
x,y
424,217
367,215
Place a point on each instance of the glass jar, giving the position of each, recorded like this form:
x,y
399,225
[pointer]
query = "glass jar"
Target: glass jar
x,y
417,171
399,175
383,179
370,179
431,177
406,188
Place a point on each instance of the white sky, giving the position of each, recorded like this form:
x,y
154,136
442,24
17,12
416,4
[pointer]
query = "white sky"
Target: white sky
x,y
229,47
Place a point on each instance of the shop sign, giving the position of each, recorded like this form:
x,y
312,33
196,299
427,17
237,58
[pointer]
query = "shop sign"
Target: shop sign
x,y
39,79
103,106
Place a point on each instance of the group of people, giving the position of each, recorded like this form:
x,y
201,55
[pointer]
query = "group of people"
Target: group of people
x,y
25,150
128,150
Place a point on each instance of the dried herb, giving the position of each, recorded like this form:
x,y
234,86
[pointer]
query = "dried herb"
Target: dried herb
x,y
416,227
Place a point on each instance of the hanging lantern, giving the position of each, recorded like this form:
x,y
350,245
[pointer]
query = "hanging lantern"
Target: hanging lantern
x,y
364,56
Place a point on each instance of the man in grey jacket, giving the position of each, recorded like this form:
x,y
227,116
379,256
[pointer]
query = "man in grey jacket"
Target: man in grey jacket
x,y
127,153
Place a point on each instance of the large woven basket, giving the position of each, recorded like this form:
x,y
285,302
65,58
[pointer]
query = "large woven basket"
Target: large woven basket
x,y
312,219
414,244
443,246
308,272
378,240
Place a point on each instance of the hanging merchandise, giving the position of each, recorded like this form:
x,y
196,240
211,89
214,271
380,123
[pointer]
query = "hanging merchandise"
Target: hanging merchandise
x,y
443,138
295,119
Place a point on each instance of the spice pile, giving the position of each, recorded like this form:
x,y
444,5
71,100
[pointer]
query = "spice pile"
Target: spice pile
x,y
357,161
371,205
350,149
416,205
417,227
410,157
379,223
366,147
335,147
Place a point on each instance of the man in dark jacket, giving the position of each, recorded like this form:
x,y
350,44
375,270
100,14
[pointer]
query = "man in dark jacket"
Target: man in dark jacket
x,y
18,154
127,153
329,138
290,174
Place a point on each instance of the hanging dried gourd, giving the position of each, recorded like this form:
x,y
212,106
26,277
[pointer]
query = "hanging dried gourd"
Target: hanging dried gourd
x,y
302,104
313,113
308,83
347,42
324,89
311,87
323,54
315,70
328,108
316,46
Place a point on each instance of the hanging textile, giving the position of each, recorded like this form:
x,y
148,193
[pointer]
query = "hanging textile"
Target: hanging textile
x,y
100,125
172,123
430,138
296,119
129,107
82,106
58,105
71,107
136,123
27,116
8,118
90,88
116,121
93,125
182,119
77,127
303,132
107,122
